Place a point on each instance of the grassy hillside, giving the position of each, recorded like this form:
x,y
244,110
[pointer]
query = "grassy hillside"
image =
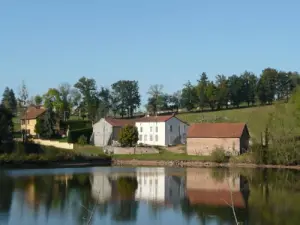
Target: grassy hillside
x,y
255,117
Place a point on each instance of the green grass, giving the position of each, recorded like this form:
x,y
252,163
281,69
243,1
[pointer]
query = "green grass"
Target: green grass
x,y
88,150
255,117
162,156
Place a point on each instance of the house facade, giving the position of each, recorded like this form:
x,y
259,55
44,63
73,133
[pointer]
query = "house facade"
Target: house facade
x,y
154,130
204,138
161,130
107,130
28,120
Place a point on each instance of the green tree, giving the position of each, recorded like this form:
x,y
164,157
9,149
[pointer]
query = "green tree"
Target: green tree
x,y
188,96
47,124
6,124
222,92
90,101
249,87
235,90
211,94
201,90
267,85
52,99
128,136
175,101
38,128
105,102
127,94
9,100
38,100
155,100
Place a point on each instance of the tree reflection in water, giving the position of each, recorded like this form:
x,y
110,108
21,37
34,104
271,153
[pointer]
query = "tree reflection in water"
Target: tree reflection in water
x,y
125,206
273,199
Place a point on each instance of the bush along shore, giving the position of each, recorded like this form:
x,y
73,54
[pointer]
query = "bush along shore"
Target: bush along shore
x,y
31,155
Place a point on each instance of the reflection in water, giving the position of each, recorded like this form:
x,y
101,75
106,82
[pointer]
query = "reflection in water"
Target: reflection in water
x,y
149,196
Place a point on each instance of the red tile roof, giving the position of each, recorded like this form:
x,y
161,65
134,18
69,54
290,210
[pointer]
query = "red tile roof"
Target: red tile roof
x,y
216,130
33,112
216,198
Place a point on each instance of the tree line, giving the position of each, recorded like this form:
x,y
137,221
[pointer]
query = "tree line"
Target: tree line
x,y
122,98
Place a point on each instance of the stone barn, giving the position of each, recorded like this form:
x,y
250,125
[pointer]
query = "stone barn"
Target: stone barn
x,y
203,138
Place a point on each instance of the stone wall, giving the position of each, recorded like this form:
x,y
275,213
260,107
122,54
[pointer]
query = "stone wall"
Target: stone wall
x,y
130,150
56,144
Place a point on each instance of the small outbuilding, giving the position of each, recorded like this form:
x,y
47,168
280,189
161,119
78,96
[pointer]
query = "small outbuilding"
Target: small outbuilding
x,y
107,130
203,138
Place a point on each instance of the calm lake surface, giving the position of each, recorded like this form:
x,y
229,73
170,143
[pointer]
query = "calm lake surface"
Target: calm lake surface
x,y
116,195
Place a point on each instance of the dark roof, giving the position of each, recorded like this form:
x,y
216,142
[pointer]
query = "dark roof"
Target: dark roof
x,y
123,122
164,118
155,118
119,122
33,112
216,130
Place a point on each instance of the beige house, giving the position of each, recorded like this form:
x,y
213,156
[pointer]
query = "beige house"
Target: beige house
x,y
203,138
30,117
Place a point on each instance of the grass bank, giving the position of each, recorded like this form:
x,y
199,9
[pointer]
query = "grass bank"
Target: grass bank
x,y
31,155
255,117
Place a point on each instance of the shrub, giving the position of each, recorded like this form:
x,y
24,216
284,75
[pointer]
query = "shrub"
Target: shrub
x,y
219,156
75,124
74,135
243,158
128,136
82,140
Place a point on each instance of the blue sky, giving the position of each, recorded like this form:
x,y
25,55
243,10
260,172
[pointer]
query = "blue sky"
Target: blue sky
x,y
164,42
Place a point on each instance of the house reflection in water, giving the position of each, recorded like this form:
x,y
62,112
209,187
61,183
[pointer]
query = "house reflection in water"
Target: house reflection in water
x,y
155,185
101,187
217,188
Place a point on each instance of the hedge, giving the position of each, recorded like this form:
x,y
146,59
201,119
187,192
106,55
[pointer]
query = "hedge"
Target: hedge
x,y
75,134
76,124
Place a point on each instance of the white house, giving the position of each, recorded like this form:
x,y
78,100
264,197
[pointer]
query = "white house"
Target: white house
x,y
151,184
161,130
153,130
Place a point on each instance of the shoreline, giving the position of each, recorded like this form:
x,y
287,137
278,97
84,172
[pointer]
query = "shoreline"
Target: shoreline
x,y
55,164
194,163
132,162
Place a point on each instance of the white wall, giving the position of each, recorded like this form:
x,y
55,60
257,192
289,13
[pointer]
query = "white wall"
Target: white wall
x,y
101,188
151,184
146,130
178,129
102,131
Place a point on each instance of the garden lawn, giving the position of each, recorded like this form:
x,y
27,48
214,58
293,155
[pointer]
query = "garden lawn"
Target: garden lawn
x,y
162,156
88,150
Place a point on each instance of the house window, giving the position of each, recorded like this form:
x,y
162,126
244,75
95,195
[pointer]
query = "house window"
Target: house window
x,y
145,137
141,129
156,138
141,137
171,128
151,138
156,129
150,129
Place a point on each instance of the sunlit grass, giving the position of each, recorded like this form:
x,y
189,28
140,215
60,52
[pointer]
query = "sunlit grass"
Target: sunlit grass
x,y
255,117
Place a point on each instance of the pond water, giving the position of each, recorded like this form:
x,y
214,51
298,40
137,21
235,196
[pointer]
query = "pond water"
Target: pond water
x,y
116,195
